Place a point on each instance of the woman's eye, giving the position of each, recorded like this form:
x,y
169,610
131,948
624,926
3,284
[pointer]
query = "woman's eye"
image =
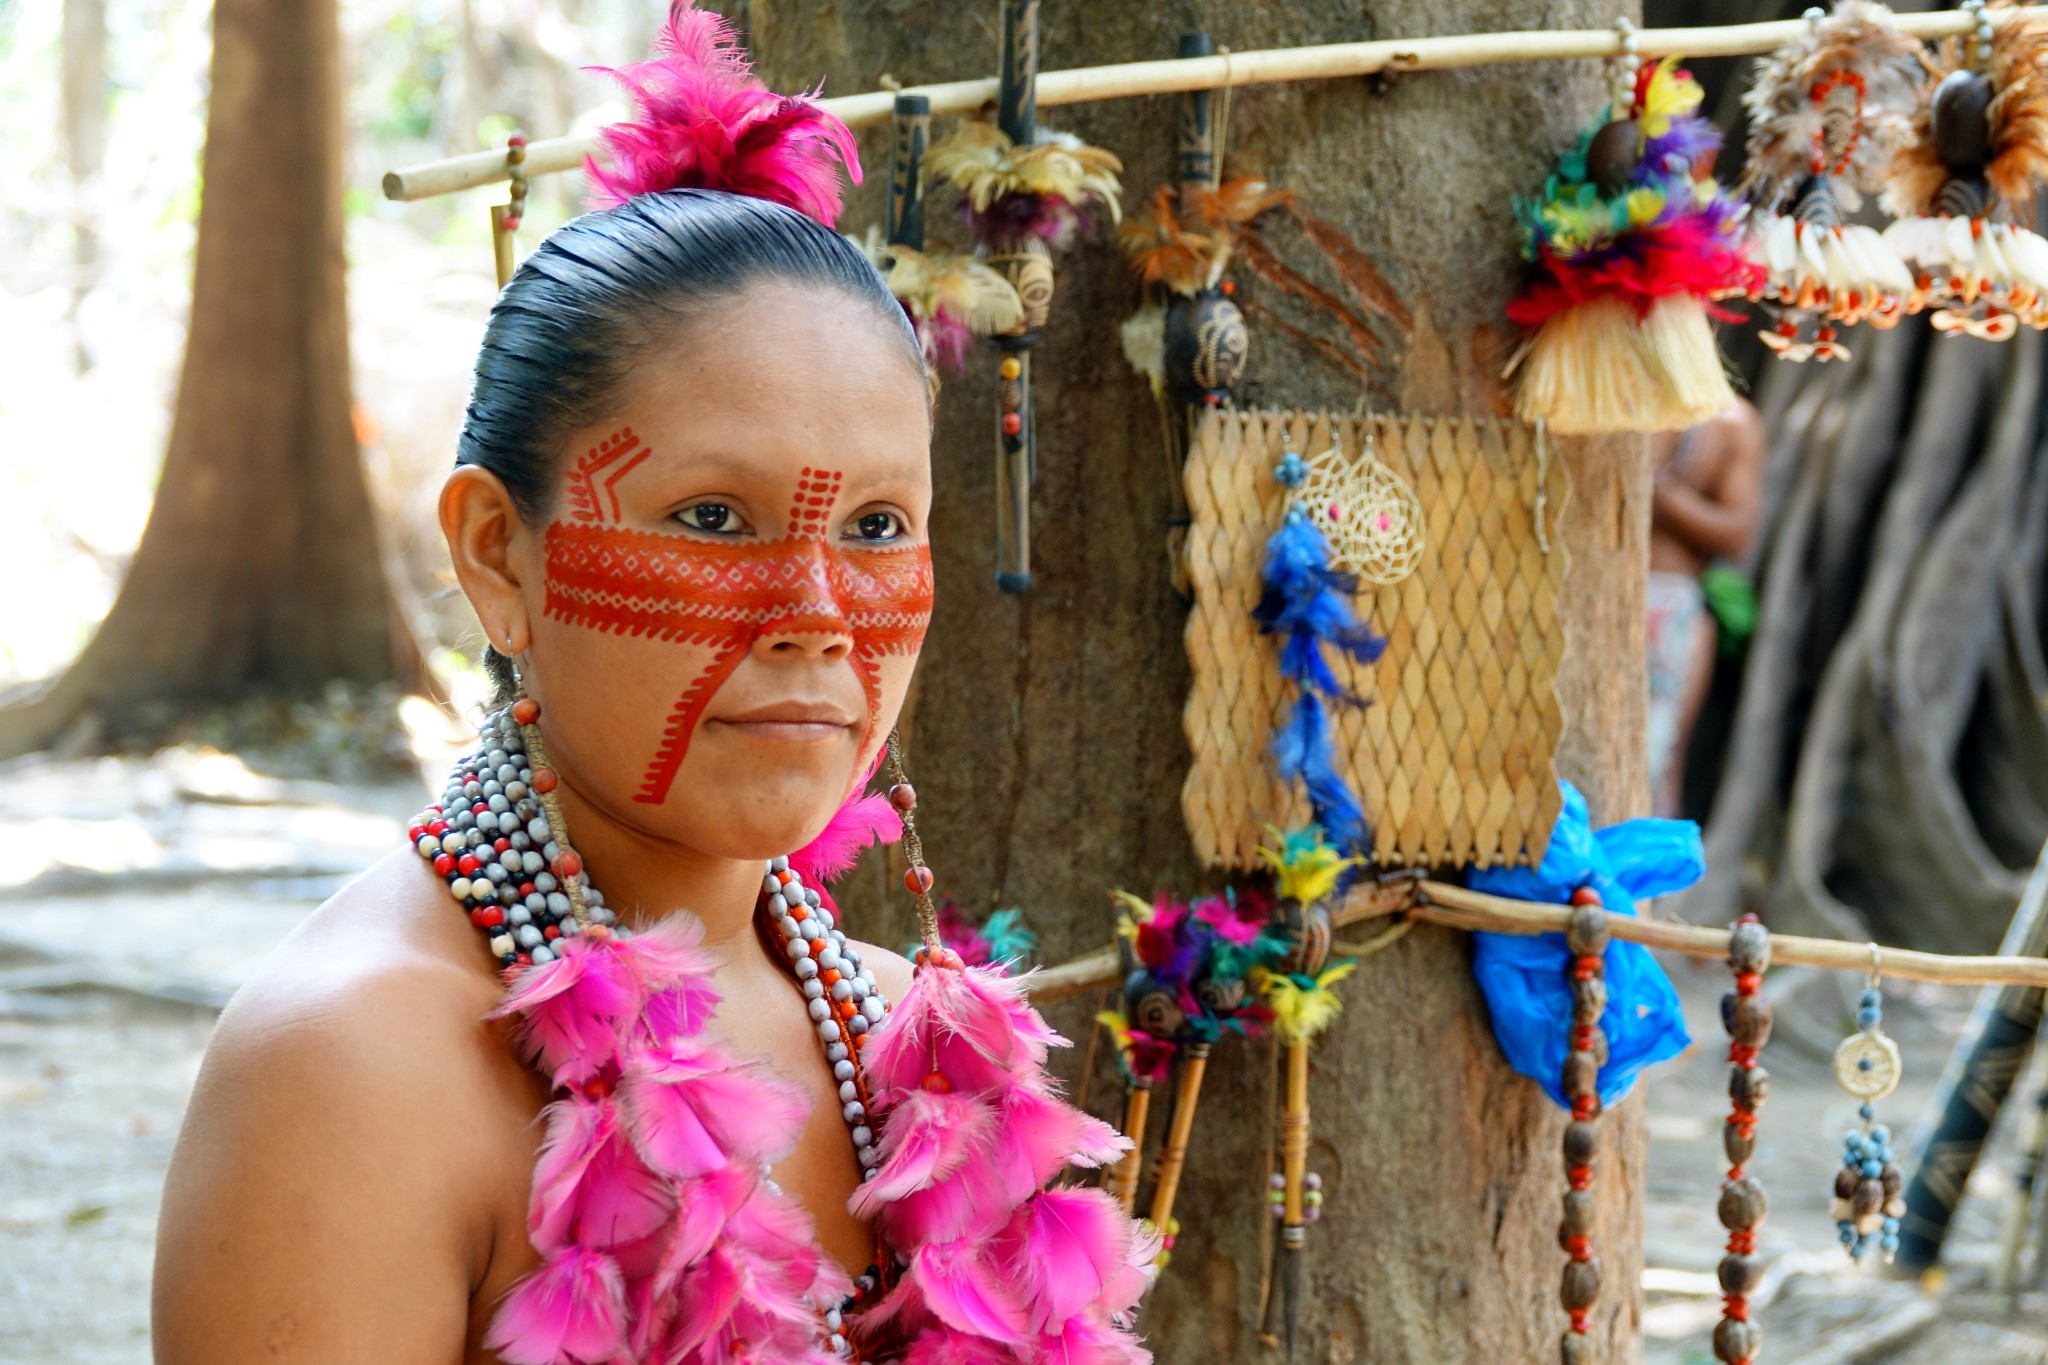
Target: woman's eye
x,y
879,526
714,517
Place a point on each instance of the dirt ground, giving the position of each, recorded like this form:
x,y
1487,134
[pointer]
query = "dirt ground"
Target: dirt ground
x,y
134,895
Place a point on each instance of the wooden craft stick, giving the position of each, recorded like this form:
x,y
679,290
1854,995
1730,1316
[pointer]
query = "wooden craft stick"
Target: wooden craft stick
x,y
1123,1177
1332,61
1194,1061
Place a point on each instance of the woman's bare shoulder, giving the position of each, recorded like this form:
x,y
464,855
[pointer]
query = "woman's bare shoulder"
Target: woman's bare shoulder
x,y
892,970
357,1122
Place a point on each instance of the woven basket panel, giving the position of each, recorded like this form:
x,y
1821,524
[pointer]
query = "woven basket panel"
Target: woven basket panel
x,y
1452,757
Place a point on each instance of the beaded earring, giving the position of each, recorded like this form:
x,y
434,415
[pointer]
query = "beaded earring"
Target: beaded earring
x,y
1868,1204
1747,1017
1586,935
917,878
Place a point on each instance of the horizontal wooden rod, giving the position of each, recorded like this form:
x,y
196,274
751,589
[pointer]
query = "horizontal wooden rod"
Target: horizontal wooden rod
x,y
1433,902
1333,61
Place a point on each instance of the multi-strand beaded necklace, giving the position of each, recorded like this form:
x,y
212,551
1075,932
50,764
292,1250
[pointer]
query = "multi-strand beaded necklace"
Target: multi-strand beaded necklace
x,y
499,839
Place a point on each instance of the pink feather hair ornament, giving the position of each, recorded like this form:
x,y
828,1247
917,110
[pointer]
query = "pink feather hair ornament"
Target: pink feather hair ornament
x,y
706,122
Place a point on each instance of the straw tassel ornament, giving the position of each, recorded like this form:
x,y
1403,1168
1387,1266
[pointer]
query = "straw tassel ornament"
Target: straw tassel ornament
x,y
1631,241
1964,188
1827,113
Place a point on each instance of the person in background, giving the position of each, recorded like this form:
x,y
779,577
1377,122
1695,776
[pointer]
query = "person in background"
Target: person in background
x,y
1705,506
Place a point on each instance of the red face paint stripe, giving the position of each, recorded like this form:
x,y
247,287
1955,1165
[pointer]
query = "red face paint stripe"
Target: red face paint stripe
x,y
607,578
682,725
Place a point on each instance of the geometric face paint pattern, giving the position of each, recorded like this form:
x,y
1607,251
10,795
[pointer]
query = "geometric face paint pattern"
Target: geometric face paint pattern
x,y
622,581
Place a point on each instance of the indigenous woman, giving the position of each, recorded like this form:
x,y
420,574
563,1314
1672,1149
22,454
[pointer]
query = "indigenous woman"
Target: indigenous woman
x,y
590,1073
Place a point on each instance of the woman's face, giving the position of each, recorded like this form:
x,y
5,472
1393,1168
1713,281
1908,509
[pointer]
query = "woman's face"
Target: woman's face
x,y
725,605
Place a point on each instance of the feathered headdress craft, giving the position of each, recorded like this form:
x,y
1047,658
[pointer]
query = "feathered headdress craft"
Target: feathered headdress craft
x,y
1188,339
1828,111
1964,187
706,122
951,299
1631,240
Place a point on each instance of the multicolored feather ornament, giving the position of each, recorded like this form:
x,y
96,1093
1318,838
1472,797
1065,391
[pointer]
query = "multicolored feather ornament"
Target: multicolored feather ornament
x,y
1300,992
1632,239
1189,979
1042,189
1827,112
1964,187
1180,246
1307,602
951,299
707,123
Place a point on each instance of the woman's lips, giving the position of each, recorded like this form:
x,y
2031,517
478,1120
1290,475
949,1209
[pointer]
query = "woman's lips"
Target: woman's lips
x,y
789,722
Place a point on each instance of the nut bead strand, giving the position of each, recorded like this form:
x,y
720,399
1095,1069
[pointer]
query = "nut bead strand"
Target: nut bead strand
x,y
918,881
1586,936
1746,1014
526,714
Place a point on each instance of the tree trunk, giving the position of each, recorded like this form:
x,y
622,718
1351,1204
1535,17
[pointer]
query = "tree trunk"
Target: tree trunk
x,y
1048,743
82,121
260,568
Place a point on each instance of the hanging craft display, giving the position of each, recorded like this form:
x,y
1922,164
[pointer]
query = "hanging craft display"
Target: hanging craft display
x,y
1964,186
506,217
1746,1014
1189,972
950,298
1306,601
1370,518
1189,340
1827,113
1144,1059
1583,1016
1631,240
1300,992
1025,191
1868,1196
1586,937
1453,755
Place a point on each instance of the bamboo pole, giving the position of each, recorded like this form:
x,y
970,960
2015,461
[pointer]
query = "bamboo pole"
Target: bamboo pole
x,y
1433,902
1123,1177
1333,61
1173,1157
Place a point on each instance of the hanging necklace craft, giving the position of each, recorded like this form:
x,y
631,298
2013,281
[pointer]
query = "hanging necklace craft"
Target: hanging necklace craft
x,y
1867,1204
1747,1016
1978,155
1827,111
661,1235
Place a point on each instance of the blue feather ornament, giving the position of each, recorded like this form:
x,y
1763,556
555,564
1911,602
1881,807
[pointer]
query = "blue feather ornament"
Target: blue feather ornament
x,y
1307,602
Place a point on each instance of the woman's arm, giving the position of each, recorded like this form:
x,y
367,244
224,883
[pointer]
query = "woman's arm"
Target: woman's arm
x,y
317,1209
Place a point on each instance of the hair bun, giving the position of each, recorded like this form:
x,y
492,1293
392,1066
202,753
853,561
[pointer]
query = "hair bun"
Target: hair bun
x,y
706,122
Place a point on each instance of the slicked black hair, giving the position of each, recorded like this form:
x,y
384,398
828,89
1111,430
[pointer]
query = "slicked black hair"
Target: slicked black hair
x,y
605,287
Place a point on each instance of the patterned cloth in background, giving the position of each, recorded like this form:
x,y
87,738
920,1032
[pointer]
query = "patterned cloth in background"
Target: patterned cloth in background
x,y
1674,605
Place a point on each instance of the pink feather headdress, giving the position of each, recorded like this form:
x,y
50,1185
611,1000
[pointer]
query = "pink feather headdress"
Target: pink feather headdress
x,y
706,122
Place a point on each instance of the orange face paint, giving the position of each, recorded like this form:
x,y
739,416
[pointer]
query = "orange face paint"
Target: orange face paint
x,y
608,577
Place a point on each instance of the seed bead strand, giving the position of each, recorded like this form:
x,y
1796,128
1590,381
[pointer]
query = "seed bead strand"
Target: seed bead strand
x,y
1747,1017
1586,936
494,839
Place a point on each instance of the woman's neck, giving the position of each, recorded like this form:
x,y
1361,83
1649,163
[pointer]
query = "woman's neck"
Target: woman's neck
x,y
646,879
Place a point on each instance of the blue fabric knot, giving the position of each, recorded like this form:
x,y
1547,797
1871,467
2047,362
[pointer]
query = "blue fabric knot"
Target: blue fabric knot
x,y
1526,978
1291,470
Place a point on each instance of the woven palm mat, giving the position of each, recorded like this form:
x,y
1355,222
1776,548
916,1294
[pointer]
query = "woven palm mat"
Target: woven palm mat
x,y
1452,755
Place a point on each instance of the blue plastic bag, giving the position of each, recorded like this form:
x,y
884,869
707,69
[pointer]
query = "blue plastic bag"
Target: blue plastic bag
x,y
1526,978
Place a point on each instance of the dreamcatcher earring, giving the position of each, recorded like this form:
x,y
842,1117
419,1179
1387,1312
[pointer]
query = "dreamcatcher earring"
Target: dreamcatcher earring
x,y
1368,513
1867,1204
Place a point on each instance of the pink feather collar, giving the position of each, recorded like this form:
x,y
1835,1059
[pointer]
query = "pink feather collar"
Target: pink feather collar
x,y
663,1241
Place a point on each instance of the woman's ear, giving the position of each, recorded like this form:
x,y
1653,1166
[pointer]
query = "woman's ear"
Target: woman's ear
x,y
486,541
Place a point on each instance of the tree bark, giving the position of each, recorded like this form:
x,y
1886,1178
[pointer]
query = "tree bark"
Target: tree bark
x,y
1047,742
260,568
